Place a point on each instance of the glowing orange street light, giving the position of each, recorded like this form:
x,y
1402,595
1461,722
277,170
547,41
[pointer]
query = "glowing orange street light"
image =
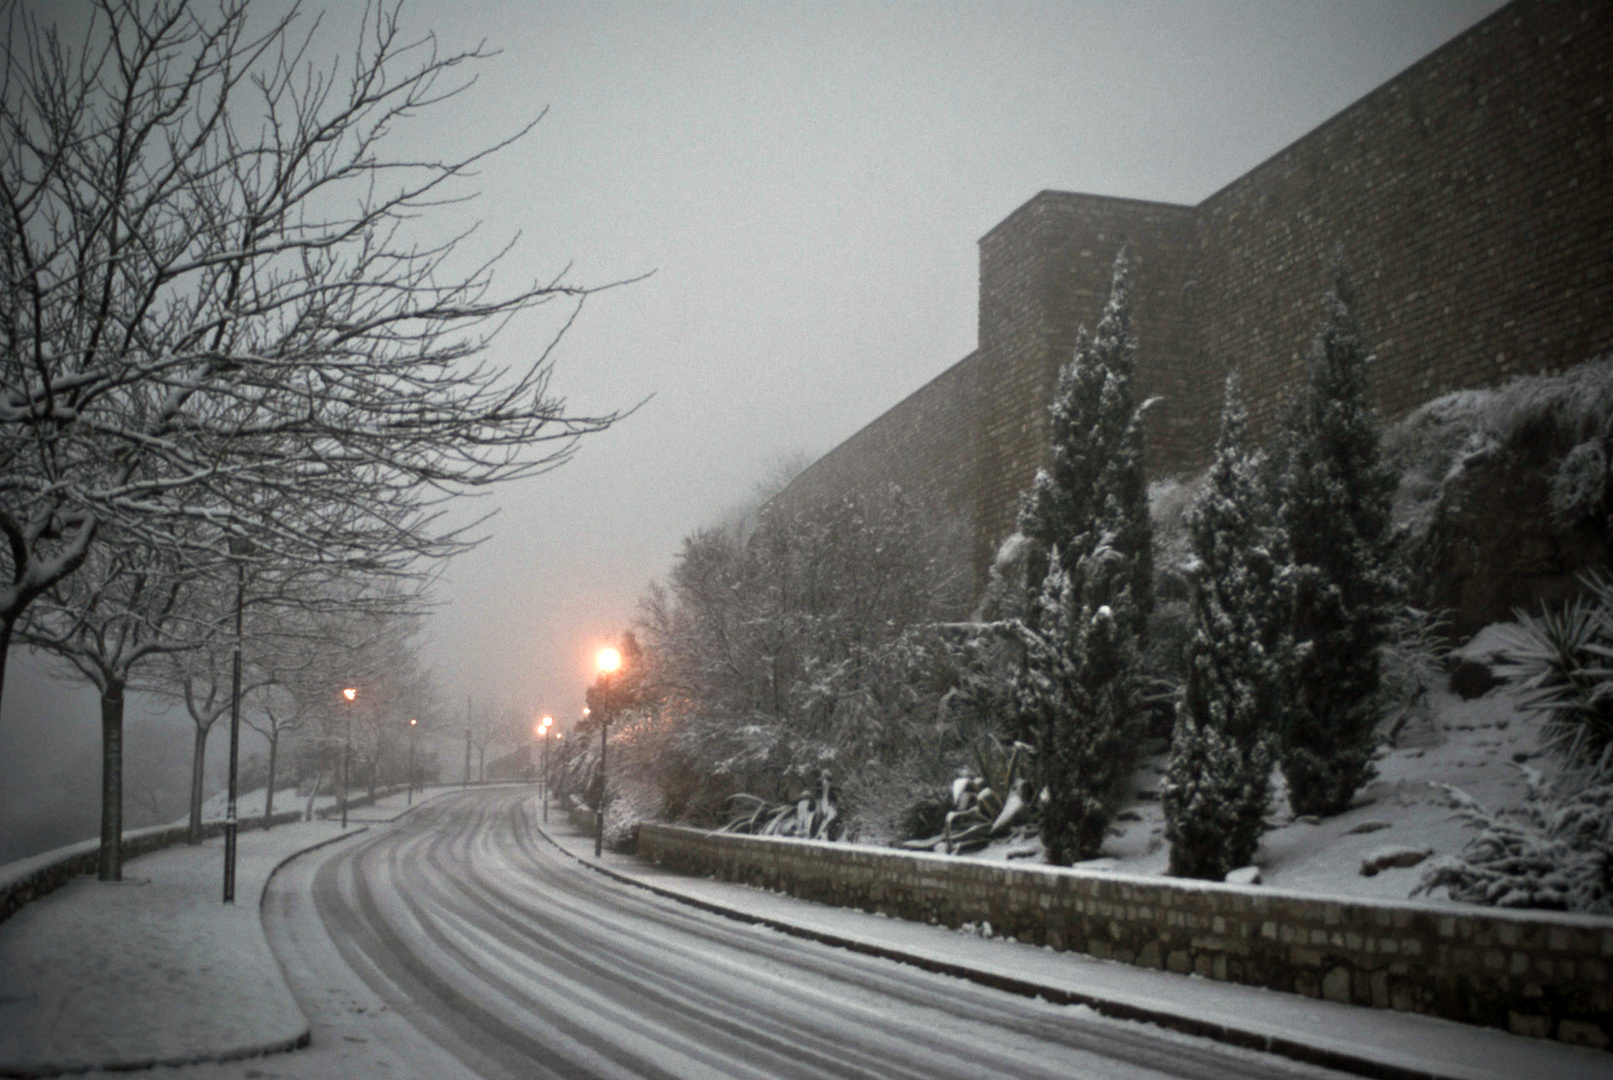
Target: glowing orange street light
x,y
543,734
609,661
349,693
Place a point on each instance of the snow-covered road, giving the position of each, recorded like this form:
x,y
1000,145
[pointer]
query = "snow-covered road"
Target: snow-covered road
x,y
458,940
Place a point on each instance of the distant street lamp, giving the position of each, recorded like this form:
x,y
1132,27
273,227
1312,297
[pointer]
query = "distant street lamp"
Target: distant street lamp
x,y
608,661
347,746
543,736
414,731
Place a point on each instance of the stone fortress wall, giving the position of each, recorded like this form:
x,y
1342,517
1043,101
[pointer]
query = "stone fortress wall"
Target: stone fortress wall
x,y
1470,195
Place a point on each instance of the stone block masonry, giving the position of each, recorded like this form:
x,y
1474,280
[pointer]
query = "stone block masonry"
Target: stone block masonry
x,y
1541,974
1470,194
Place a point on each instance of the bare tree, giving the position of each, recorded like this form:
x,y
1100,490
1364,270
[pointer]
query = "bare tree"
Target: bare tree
x,y
125,606
204,681
216,306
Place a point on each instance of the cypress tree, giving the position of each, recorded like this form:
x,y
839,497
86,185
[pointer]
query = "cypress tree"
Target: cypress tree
x,y
1218,781
1334,508
1089,581
1097,456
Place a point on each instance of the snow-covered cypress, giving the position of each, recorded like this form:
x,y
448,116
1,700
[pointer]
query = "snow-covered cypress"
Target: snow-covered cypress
x,y
1218,781
1334,508
1097,457
1089,581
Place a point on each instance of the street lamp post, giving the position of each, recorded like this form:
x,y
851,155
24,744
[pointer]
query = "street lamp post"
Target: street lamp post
x,y
414,730
608,660
347,747
543,737
230,822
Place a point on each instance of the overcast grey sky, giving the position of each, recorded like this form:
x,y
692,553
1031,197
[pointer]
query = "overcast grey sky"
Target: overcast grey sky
x,y
808,183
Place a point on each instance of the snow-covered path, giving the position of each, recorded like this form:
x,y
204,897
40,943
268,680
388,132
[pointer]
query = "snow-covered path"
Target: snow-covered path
x,y
464,921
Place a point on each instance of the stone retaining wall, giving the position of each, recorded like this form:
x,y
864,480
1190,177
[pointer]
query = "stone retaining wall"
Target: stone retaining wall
x,y
1537,973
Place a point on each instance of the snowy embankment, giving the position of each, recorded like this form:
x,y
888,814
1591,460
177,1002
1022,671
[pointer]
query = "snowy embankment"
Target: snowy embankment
x,y
1398,825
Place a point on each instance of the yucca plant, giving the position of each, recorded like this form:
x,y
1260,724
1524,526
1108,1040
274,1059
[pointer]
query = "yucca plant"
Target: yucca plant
x,y
1563,663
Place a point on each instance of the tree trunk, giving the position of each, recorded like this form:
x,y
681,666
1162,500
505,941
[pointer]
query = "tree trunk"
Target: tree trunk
x,y
268,794
319,776
481,763
198,759
109,864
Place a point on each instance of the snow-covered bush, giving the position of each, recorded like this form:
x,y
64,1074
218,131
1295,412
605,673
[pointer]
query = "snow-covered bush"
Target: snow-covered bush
x,y
1170,501
1554,853
1169,629
1239,655
1563,664
816,639
1562,421
1335,498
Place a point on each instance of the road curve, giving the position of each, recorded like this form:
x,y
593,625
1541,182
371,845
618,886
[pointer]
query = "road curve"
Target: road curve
x,y
520,962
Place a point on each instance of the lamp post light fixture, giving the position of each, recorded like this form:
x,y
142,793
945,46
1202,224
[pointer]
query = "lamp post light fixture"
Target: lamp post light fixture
x,y
347,747
609,661
414,732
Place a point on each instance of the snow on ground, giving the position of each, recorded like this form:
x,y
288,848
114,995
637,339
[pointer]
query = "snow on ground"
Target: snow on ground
x,y
97,973
1473,745
156,968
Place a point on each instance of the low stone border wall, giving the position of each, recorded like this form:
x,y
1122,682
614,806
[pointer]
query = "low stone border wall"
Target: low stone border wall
x,y
29,879
1537,973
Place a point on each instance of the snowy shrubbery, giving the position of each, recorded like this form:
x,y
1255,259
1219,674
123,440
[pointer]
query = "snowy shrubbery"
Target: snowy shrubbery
x,y
1554,853
811,641
1564,422
1414,661
1557,850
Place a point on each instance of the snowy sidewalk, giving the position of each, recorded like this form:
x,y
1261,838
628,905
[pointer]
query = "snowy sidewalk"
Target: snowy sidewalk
x,y
1370,1042
156,969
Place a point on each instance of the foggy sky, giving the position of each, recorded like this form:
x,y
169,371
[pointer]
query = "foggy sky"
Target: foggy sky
x,y
807,183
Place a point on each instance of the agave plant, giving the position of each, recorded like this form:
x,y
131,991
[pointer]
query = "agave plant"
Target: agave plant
x,y
992,802
813,816
1563,663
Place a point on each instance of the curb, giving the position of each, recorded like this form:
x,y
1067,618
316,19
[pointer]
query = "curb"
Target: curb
x,y
1243,1038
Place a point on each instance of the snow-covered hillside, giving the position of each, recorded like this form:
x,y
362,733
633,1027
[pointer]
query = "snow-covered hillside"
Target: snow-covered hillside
x,y
1474,745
